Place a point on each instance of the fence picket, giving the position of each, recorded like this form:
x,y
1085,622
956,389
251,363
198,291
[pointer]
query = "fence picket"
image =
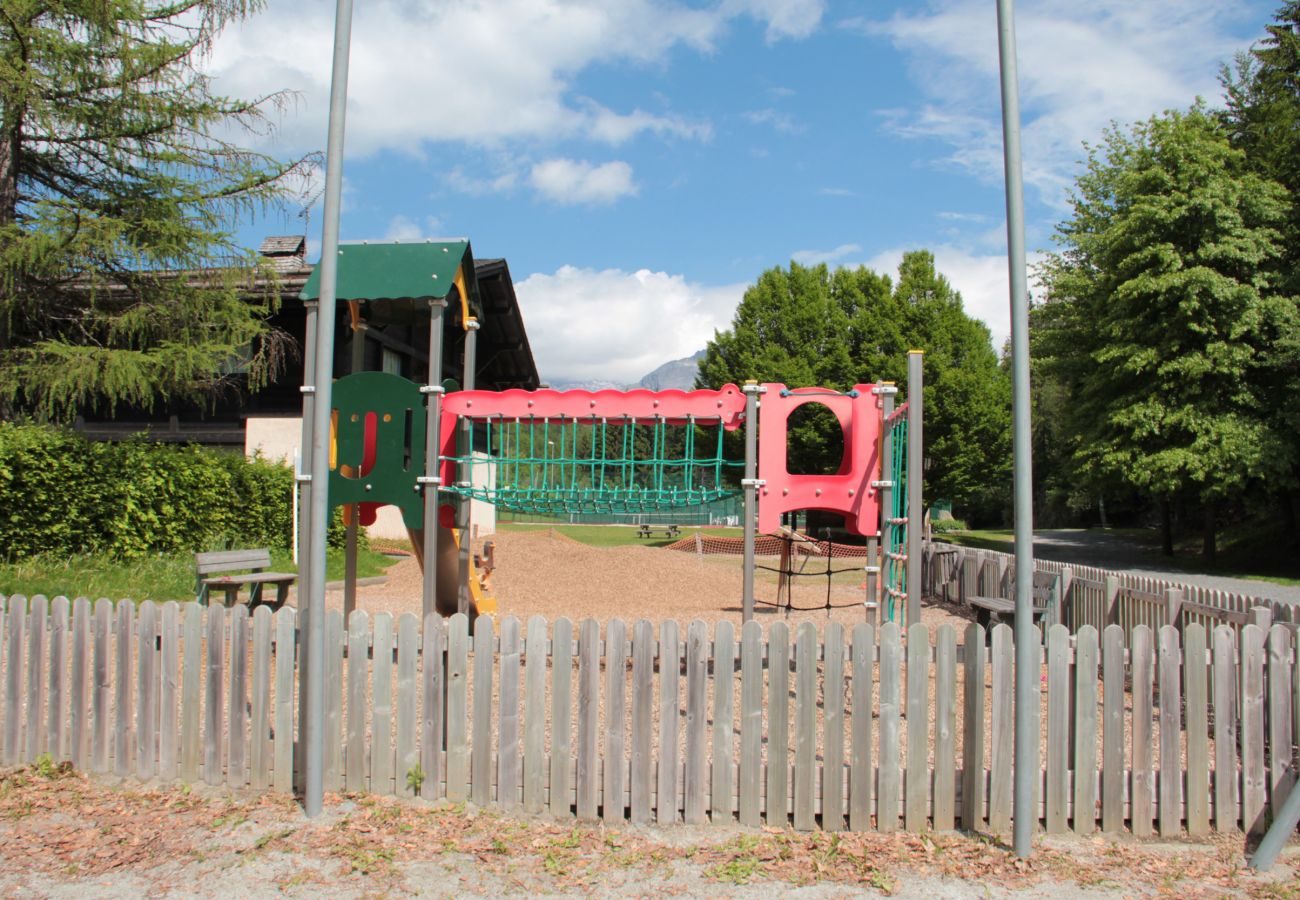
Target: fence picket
x,y
1112,755
354,754
284,680
642,770
1198,762
724,726
588,719
1279,715
1085,731
535,716
259,726
1142,666
37,647
972,749
832,792
480,769
751,724
237,757
917,787
1253,779
1058,729
213,701
78,693
407,749
891,664
381,707
191,691
432,716
15,661
1225,730
778,724
861,771
508,711
805,726
458,708
561,715
147,690
1171,712
695,769
57,726
615,720
168,688
335,644
1000,749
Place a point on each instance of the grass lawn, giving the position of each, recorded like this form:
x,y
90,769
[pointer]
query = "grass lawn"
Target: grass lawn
x,y
162,577
620,535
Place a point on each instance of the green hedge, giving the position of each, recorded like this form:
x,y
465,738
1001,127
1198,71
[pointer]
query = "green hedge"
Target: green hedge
x,y
60,493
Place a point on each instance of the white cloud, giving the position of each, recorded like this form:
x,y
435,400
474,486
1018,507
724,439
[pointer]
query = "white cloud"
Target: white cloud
x,y
1080,65
402,228
477,71
982,279
778,121
568,181
612,325
813,257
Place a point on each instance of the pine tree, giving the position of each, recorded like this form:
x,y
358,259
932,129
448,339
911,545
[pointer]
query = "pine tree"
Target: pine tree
x,y
120,183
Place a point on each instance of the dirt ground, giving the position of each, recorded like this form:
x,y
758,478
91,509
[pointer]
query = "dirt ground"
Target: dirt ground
x,y
65,836
545,573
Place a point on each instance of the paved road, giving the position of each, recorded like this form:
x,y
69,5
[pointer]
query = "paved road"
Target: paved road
x,y
1095,547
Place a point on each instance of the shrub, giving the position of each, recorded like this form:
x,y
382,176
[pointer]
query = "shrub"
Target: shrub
x,y
946,526
60,493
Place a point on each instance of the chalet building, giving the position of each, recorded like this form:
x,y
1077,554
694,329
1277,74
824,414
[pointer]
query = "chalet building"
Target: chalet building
x,y
268,420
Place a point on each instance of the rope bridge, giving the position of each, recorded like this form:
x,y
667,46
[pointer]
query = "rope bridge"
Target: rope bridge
x,y
561,452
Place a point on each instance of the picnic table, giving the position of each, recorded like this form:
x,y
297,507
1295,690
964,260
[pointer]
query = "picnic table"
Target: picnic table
x,y
646,531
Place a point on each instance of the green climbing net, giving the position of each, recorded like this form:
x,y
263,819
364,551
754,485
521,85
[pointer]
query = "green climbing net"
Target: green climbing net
x,y
895,518
568,466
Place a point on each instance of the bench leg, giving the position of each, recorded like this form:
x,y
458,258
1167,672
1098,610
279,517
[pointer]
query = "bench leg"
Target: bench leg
x,y
232,595
281,594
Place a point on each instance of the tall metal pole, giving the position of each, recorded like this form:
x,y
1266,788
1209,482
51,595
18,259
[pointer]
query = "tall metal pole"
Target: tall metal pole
x,y
466,475
750,484
303,476
432,477
915,476
314,620
1027,674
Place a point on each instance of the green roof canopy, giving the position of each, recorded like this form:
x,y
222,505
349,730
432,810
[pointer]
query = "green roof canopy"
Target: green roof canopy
x,y
396,271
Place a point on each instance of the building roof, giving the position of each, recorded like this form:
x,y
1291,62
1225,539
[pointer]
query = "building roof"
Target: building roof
x,y
286,253
395,270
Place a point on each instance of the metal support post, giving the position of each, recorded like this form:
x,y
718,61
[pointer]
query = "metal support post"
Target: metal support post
x,y
466,474
752,389
432,467
314,617
887,489
302,477
915,477
1284,824
354,523
1024,814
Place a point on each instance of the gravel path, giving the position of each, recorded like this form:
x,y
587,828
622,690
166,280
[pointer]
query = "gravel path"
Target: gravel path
x,y
1094,547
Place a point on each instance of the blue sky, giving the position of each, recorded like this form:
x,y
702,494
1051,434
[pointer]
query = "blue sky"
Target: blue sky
x,y
639,162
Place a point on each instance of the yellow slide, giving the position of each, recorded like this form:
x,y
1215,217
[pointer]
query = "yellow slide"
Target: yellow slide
x,y
449,571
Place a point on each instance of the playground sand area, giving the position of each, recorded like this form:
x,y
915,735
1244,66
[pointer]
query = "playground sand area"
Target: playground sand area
x,y
546,573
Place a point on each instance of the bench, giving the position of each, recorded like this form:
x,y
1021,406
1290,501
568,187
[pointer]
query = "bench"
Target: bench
x,y
646,531
210,565
1047,602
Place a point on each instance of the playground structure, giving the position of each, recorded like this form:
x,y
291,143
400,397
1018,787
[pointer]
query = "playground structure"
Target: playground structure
x,y
433,448
430,449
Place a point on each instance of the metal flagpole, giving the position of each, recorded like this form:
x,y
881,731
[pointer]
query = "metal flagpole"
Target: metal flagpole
x,y
314,620
1027,676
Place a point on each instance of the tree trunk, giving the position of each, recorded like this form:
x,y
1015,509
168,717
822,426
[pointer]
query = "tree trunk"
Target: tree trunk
x,y
1166,528
1208,547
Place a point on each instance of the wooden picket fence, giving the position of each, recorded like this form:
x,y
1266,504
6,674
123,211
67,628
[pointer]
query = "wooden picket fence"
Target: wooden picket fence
x,y
816,728
1100,597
